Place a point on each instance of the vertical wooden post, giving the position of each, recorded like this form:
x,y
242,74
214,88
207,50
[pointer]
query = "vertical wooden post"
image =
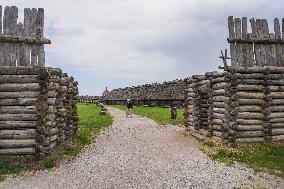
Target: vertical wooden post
x,y
244,27
27,33
231,26
1,20
277,28
238,46
1,44
277,46
19,51
34,48
13,31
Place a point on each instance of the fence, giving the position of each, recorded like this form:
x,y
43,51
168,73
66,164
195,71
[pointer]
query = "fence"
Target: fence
x,y
89,99
157,94
258,48
22,44
244,103
37,104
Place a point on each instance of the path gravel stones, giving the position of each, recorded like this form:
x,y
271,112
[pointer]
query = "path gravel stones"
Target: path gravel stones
x,y
138,153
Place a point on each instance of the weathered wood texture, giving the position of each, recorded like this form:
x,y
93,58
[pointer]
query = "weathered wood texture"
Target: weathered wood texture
x,y
37,110
22,44
237,106
155,94
258,48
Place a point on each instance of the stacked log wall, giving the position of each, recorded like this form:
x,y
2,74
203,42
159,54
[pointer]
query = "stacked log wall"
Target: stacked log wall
x,y
197,117
37,109
242,105
217,106
157,94
188,105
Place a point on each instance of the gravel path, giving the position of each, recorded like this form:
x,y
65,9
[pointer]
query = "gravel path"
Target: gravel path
x,y
137,153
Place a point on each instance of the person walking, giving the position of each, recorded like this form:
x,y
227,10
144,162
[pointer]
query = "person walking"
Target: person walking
x,y
129,108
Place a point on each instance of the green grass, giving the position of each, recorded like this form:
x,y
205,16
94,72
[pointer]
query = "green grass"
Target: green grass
x,y
268,157
90,125
160,115
15,165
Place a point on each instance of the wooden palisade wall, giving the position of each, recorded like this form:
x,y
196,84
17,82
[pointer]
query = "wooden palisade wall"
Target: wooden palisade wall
x,y
37,104
246,101
157,94
37,109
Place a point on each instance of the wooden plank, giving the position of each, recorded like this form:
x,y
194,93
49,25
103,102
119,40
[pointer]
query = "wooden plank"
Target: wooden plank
x,y
259,48
238,46
1,31
34,48
16,87
18,117
253,27
17,151
18,134
17,124
10,143
25,55
238,30
277,28
24,39
19,51
1,44
13,17
270,49
279,53
244,27
251,40
18,109
233,54
249,95
6,21
32,94
249,127
19,102
277,131
5,46
22,79
278,138
231,26
250,140
39,26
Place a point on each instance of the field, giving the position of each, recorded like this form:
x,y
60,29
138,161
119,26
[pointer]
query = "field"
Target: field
x,y
268,157
160,115
90,125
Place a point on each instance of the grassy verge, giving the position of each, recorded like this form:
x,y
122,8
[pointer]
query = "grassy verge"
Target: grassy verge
x,y
267,157
90,125
160,115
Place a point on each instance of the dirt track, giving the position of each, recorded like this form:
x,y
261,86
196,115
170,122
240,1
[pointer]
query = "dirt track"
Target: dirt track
x,y
138,153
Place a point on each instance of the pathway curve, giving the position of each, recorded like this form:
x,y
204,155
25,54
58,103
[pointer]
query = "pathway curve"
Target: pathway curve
x,y
138,153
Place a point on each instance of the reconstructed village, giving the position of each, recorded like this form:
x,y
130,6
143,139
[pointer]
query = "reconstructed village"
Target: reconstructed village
x,y
222,128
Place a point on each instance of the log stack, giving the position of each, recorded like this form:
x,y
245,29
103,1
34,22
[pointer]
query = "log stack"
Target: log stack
x,y
188,105
19,89
37,110
217,107
240,105
197,103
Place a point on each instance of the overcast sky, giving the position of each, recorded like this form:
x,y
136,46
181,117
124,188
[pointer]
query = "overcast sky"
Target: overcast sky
x,y
118,43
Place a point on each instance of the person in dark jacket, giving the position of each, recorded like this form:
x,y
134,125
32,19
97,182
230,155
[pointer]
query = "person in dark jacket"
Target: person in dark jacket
x,y
173,112
129,108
